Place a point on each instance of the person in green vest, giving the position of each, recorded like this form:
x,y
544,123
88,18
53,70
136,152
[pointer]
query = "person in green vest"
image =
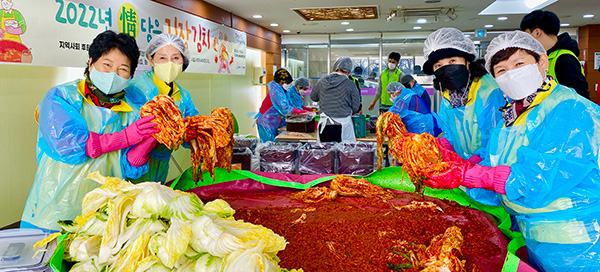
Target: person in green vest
x,y
390,74
563,52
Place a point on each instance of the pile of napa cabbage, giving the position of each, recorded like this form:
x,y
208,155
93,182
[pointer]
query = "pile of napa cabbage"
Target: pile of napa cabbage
x,y
150,227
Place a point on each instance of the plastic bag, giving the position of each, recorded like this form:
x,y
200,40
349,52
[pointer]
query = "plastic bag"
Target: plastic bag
x,y
356,158
317,158
278,157
245,141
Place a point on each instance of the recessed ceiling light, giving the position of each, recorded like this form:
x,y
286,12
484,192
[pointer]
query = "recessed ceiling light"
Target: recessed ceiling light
x,y
350,29
257,16
286,31
345,23
565,24
477,42
421,21
588,16
274,24
416,27
467,35
502,18
488,26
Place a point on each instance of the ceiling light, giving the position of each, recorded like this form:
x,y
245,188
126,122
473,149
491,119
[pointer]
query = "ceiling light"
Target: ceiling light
x,y
502,7
502,18
488,26
274,24
477,42
350,29
416,27
391,16
257,16
421,21
565,24
345,23
286,31
467,35
588,16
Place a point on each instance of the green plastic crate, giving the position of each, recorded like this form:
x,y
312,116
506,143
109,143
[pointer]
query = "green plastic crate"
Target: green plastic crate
x,y
360,125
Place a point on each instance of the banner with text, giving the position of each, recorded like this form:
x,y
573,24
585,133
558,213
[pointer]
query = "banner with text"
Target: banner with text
x,y
59,33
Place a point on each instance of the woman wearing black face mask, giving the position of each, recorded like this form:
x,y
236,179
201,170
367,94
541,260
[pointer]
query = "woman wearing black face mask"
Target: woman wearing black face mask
x,y
472,99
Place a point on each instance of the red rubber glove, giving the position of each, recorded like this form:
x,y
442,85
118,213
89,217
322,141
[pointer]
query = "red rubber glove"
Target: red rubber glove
x,y
98,144
299,111
140,153
190,134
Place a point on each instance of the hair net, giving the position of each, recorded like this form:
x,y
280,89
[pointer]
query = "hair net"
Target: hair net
x,y
446,42
394,87
302,82
165,39
517,39
343,64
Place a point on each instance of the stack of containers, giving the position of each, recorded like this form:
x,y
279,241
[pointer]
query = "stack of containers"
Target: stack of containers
x,y
17,253
357,158
278,157
317,158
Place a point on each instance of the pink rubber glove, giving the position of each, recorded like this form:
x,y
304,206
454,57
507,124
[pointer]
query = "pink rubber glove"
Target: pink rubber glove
x,y
475,159
491,178
469,175
14,30
98,144
449,179
447,150
299,111
140,153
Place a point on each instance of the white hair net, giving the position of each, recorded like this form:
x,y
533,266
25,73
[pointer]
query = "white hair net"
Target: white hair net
x,y
447,38
343,64
516,39
394,87
162,40
302,82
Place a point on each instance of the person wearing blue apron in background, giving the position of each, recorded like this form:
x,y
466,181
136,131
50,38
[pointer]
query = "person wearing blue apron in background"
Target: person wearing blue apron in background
x,y
275,106
471,102
338,98
412,109
296,92
410,83
544,161
85,126
168,57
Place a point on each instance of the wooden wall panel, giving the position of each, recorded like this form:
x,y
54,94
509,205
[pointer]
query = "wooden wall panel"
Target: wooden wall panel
x,y
589,43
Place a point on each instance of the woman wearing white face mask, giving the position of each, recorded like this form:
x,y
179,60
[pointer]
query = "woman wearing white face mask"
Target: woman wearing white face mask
x,y
86,125
544,160
295,94
169,58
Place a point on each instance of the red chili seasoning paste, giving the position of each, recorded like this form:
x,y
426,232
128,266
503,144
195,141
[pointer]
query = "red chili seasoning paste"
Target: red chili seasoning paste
x,y
371,234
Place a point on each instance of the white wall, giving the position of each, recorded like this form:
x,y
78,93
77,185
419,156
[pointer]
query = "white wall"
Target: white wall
x,y
22,87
